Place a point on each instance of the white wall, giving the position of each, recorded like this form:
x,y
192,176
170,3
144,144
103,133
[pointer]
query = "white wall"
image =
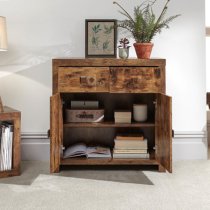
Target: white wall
x,y
207,47
39,30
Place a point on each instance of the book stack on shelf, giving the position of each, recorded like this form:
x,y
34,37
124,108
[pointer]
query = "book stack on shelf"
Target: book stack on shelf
x,y
127,146
84,111
82,150
6,141
122,116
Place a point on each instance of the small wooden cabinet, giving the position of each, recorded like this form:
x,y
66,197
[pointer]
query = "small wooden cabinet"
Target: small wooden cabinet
x,y
116,84
13,116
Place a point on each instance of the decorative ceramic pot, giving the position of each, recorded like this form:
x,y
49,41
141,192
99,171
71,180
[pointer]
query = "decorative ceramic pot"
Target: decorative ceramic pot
x,y
143,50
123,53
140,112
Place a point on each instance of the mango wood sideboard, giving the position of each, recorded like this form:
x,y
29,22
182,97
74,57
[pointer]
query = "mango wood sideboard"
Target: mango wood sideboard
x,y
116,84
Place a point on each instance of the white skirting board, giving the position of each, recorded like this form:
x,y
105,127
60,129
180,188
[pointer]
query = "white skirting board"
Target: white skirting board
x,y
35,146
190,145
185,146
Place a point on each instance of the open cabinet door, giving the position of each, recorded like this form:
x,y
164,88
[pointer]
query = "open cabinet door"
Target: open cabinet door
x,y
163,131
55,136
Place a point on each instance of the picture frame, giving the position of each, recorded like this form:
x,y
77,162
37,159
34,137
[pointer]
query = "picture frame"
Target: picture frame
x,y
100,38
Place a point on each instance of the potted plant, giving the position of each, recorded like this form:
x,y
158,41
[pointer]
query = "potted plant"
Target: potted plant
x,y
124,48
144,25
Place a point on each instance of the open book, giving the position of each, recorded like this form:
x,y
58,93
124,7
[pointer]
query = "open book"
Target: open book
x,y
81,149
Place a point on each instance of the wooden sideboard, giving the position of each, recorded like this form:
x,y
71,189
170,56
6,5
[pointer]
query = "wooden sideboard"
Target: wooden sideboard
x,y
208,99
116,84
14,117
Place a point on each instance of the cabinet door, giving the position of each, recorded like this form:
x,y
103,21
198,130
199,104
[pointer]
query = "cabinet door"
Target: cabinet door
x,y
137,80
56,125
83,79
163,132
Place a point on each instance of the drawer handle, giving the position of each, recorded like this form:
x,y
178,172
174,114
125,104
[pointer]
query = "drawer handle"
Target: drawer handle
x,y
83,80
87,81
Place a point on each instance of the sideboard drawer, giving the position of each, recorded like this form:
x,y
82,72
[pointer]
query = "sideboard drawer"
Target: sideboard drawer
x,y
83,79
136,80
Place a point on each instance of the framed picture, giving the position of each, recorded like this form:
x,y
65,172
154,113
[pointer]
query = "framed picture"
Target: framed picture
x,y
100,38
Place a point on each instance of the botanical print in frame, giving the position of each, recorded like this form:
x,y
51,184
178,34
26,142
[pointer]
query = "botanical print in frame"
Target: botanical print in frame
x,y
100,38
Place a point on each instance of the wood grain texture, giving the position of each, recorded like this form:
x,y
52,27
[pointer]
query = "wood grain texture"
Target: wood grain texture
x,y
106,161
208,99
16,140
105,62
164,131
1,105
136,80
14,116
55,143
108,125
10,173
117,84
161,168
83,79
77,62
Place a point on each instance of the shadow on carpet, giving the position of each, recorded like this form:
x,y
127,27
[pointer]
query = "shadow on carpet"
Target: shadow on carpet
x,y
125,175
31,169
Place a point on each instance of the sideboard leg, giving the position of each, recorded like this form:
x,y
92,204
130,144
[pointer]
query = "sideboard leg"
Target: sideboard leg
x,y
161,168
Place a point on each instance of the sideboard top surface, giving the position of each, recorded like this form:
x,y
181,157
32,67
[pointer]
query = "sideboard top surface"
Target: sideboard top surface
x,y
107,62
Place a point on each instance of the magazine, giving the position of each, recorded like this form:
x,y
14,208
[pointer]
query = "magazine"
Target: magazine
x,y
81,149
6,141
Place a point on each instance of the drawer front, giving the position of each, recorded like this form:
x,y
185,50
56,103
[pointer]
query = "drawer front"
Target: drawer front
x,y
136,80
83,79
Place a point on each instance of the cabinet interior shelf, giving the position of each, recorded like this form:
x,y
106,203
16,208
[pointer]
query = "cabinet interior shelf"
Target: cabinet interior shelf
x,y
8,173
115,84
108,125
13,116
111,161
104,161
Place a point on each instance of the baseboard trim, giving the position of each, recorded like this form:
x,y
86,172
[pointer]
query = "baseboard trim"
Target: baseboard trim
x,y
35,146
190,134
190,145
34,135
187,145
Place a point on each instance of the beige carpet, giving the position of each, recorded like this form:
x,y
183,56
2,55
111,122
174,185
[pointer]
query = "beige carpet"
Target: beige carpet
x,y
30,170
187,188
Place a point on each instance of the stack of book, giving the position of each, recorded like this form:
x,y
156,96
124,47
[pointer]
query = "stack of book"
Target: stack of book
x,y
130,147
122,116
82,150
6,141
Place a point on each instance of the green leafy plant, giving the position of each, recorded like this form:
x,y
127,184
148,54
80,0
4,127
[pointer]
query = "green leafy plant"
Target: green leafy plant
x,y
95,39
108,29
96,28
145,25
124,43
105,45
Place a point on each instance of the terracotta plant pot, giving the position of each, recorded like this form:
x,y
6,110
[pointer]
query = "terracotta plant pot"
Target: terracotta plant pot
x,y
143,50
